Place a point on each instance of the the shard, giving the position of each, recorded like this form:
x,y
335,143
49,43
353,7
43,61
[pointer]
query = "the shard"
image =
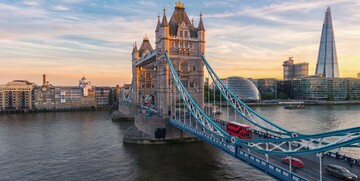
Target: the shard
x,y
327,63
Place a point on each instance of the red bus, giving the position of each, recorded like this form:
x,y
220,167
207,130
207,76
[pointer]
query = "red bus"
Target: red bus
x,y
241,131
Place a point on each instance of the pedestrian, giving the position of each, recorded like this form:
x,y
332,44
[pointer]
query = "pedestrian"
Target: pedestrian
x,y
351,163
337,155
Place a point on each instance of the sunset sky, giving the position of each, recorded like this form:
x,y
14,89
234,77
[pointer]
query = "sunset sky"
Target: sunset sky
x,y
67,39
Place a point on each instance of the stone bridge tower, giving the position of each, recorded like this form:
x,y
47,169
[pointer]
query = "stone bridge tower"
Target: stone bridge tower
x,y
184,43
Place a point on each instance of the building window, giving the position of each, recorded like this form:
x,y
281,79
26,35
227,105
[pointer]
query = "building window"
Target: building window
x,y
181,34
194,68
191,84
186,34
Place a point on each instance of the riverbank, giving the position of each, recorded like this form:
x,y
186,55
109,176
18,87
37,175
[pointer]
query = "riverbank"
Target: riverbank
x,y
4,112
304,102
294,102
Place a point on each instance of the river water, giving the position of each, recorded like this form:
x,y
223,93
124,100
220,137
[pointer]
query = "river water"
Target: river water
x,y
88,146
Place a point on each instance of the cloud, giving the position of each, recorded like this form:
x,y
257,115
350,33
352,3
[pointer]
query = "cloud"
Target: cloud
x,y
32,3
249,39
60,8
72,1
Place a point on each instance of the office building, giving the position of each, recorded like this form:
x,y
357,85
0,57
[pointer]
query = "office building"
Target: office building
x,y
327,63
294,71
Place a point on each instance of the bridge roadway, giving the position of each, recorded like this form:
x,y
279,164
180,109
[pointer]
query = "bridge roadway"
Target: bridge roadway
x,y
311,165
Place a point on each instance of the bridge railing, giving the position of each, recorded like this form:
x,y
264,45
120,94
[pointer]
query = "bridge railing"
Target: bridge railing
x,y
297,144
237,152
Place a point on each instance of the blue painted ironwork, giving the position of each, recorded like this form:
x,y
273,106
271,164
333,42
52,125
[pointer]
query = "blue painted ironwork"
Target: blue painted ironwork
x,y
150,109
242,109
129,96
240,154
193,108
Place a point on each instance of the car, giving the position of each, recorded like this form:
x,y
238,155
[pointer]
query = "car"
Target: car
x,y
340,172
295,162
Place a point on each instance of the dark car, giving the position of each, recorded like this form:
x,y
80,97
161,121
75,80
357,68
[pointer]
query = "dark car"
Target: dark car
x,y
295,162
340,172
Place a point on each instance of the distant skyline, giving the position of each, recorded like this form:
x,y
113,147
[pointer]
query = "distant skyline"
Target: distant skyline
x,y
68,39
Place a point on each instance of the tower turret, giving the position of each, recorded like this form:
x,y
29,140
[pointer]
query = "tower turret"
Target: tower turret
x,y
164,22
135,52
163,35
201,24
158,24
201,34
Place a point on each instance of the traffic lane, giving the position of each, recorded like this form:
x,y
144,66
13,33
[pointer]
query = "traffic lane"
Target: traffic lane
x,y
313,161
306,172
309,171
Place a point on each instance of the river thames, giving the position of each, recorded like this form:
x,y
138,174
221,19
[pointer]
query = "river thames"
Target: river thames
x,y
88,146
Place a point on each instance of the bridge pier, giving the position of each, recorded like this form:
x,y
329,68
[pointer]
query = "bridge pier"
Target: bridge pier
x,y
155,130
125,111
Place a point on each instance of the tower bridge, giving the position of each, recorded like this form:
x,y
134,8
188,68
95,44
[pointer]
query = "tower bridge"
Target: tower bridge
x,y
168,81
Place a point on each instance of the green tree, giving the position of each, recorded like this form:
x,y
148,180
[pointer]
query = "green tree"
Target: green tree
x,y
330,97
267,96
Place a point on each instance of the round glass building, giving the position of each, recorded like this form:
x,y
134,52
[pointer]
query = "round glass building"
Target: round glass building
x,y
244,89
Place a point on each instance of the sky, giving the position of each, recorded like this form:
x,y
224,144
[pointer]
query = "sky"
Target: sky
x,y
68,39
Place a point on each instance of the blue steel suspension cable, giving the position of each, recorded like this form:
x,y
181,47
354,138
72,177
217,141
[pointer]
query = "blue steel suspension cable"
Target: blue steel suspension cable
x,y
215,78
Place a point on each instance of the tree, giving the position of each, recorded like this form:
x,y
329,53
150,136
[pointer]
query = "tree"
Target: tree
x,y
330,97
267,96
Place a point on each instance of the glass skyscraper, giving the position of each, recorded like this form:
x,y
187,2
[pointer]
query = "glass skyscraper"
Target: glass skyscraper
x,y
327,63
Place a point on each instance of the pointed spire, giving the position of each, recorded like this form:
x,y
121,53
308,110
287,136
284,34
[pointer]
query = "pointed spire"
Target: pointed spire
x,y
158,24
201,25
327,63
133,50
164,20
328,15
192,21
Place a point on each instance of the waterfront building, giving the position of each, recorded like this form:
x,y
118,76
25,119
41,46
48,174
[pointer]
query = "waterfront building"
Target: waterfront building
x,y
103,96
285,89
69,97
244,89
267,87
293,71
353,89
17,95
44,95
324,88
85,85
185,43
327,63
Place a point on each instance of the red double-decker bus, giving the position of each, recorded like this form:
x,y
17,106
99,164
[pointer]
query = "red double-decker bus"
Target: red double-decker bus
x,y
241,131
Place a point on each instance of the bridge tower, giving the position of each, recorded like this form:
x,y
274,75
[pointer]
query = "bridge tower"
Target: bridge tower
x,y
184,43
